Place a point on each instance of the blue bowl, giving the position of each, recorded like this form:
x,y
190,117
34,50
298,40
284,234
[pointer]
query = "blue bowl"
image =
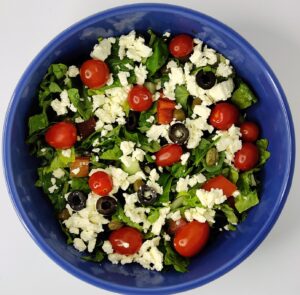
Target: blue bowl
x,y
272,113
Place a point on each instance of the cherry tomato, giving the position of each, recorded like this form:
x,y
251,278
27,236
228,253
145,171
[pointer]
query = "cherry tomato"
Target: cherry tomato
x,y
191,238
80,167
100,183
181,45
223,115
126,240
250,131
174,226
94,73
222,183
168,155
140,98
247,157
165,110
62,135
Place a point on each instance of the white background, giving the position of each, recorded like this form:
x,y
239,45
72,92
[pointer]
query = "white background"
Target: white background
x,y
270,26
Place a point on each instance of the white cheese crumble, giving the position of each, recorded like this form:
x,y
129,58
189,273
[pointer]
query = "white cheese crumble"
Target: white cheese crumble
x,y
200,214
123,77
174,215
148,256
221,91
66,153
210,198
76,171
141,74
127,147
157,131
58,173
152,181
184,158
73,71
183,184
134,48
229,142
224,69
79,244
158,224
102,50
61,106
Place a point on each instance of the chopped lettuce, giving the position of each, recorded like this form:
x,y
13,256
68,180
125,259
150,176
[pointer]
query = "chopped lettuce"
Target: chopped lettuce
x,y
243,97
173,259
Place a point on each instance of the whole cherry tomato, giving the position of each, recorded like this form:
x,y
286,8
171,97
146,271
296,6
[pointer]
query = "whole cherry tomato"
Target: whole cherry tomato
x,y
168,155
101,183
62,135
223,115
250,131
126,240
247,157
191,238
94,73
220,182
140,98
181,45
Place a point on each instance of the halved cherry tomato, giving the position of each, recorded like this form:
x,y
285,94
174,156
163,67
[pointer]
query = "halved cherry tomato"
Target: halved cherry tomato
x,y
126,240
140,98
165,110
223,115
247,157
168,155
174,226
222,183
94,73
62,135
250,131
181,45
100,183
191,238
80,167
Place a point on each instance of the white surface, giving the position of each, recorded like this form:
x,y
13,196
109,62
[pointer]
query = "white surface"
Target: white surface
x,y
271,26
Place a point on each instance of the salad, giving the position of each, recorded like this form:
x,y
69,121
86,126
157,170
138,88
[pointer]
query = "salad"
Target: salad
x,y
145,149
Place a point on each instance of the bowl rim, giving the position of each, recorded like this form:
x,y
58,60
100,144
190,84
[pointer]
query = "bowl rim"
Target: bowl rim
x,y
7,126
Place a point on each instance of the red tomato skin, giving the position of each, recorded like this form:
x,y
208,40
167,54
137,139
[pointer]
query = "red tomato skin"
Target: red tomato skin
x,y
224,115
191,238
94,73
250,131
140,98
220,182
168,155
165,110
181,45
126,235
62,135
100,183
247,157
174,226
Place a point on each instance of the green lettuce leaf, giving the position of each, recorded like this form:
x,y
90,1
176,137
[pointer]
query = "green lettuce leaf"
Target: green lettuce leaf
x,y
182,95
243,97
159,56
97,257
83,105
173,259
153,215
37,122
113,154
120,216
165,181
60,161
229,213
245,201
262,145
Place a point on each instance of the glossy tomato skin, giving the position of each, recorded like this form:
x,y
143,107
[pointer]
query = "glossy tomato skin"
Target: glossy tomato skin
x,y
62,135
191,238
220,182
247,157
165,110
168,155
126,240
140,98
101,183
94,73
250,131
224,115
181,46
175,226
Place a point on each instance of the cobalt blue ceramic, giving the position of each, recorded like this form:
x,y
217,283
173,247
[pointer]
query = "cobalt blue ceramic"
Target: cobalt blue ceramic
x,y
272,112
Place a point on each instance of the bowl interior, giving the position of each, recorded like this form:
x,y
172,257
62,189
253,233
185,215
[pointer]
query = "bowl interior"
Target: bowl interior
x,y
271,113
